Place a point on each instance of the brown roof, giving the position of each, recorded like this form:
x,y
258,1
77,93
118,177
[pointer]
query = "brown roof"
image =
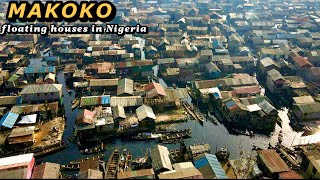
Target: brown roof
x,y
104,67
290,175
186,173
70,68
135,174
103,82
302,61
46,171
153,89
273,161
85,117
90,163
90,174
247,90
314,156
315,71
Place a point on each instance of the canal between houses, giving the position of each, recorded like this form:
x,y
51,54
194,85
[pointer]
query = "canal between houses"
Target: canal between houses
x,y
216,135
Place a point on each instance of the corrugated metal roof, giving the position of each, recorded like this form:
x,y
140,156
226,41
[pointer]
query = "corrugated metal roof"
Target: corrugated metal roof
x,y
273,161
153,89
303,99
95,100
212,67
252,100
103,82
30,108
266,107
214,91
166,61
9,100
247,90
204,84
51,58
46,171
41,88
253,108
241,81
182,165
309,107
275,75
90,174
125,86
9,119
33,70
267,62
188,173
302,61
160,158
144,112
13,78
174,94
314,156
136,174
118,111
128,101
205,159
290,175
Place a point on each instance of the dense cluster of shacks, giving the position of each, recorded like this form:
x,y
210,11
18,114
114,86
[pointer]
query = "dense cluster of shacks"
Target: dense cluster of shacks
x,y
233,57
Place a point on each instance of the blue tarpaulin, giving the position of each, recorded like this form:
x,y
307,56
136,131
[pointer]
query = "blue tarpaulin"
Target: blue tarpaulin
x,y
230,104
19,100
105,99
9,119
212,161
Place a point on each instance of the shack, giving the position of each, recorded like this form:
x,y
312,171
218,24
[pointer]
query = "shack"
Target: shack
x,y
17,167
209,166
160,159
21,136
270,162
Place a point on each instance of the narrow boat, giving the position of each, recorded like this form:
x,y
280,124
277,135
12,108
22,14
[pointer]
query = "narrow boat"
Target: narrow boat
x,y
70,167
75,103
173,141
211,119
140,162
146,136
218,115
196,114
94,150
46,50
246,132
125,161
39,152
129,157
111,167
122,159
165,132
175,136
200,116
